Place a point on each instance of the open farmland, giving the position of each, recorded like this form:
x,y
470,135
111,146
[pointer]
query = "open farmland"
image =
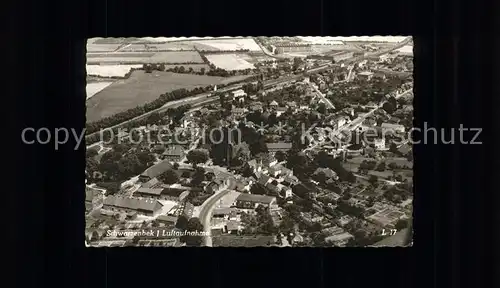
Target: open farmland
x,y
113,40
229,61
141,88
110,70
176,57
144,57
94,88
231,44
102,48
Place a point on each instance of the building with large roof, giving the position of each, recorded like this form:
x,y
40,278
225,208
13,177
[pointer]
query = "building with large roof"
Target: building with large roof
x,y
129,204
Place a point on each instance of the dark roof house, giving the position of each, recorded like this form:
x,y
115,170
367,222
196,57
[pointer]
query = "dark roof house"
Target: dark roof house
x,y
256,198
156,170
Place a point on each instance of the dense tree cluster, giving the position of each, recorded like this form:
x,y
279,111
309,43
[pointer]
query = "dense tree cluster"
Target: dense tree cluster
x,y
194,240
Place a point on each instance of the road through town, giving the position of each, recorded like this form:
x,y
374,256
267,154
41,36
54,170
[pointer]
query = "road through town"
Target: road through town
x,y
208,207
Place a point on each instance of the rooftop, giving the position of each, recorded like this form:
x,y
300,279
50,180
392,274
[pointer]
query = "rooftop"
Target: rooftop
x,y
150,191
255,198
132,203
157,169
366,73
150,183
279,145
174,151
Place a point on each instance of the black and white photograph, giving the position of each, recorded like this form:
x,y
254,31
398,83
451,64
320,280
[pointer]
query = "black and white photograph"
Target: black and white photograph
x,y
249,142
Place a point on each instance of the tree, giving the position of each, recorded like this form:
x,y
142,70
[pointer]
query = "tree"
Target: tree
x,y
373,179
198,177
280,156
194,225
91,152
401,224
346,196
388,107
258,189
176,166
409,157
322,108
197,156
393,148
182,223
393,165
381,167
169,177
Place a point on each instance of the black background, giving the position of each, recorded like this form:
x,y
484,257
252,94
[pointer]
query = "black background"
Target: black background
x,y
455,191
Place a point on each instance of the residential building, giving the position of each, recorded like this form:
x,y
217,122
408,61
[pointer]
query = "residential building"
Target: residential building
x,y
91,198
251,201
129,204
167,219
365,75
212,187
174,153
342,55
239,95
165,192
380,143
273,189
224,213
290,180
153,183
238,112
329,173
279,146
264,179
155,171
280,110
273,104
392,128
256,106
339,239
292,47
233,227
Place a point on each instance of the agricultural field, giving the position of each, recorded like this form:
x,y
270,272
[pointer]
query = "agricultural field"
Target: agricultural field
x,y
229,61
141,88
176,57
144,57
109,70
252,59
110,40
102,48
231,44
94,88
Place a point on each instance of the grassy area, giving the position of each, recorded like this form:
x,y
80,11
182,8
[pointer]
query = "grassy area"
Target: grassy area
x,y
141,88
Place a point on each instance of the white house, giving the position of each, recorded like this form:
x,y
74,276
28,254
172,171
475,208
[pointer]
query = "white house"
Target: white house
x,y
239,95
380,143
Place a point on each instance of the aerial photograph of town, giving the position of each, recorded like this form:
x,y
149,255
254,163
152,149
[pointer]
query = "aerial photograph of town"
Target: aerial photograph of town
x,y
249,142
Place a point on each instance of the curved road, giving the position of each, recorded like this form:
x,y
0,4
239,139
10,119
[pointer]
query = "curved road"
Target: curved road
x,y
208,207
